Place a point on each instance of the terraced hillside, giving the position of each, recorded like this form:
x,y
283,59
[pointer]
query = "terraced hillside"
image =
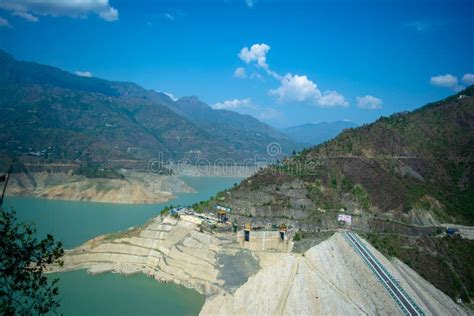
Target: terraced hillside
x,y
329,278
413,168
400,178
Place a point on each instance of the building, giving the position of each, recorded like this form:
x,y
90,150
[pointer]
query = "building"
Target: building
x,y
344,219
222,213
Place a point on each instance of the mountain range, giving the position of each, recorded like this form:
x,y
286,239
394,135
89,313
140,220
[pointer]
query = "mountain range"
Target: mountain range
x,y
49,115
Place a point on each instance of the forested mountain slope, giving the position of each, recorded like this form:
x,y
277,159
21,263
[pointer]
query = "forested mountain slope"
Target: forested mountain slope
x,y
412,167
48,115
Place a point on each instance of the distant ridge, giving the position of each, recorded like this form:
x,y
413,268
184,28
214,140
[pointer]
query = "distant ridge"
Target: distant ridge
x,y
317,133
48,114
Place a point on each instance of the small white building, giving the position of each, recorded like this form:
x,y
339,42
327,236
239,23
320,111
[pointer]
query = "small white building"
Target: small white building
x,y
344,218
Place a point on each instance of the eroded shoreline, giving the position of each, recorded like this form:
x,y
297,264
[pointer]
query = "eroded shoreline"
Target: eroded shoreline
x,y
133,188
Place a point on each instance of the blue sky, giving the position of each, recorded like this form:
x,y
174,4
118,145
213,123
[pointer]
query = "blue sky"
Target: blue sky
x,y
298,61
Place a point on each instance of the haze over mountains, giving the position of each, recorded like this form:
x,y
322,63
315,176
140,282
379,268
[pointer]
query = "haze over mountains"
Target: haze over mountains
x,y
47,114
317,133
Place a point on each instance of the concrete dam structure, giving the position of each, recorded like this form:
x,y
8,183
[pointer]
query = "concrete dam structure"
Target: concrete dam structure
x,y
264,240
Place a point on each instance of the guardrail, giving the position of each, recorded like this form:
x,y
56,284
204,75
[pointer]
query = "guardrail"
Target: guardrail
x,y
403,300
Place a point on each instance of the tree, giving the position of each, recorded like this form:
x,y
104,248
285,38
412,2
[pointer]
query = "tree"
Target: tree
x,y
24,289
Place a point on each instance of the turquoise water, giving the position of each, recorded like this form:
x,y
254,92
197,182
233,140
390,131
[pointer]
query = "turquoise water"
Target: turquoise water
x,y
75,222
114,294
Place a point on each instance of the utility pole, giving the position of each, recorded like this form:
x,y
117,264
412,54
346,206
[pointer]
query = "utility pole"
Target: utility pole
x,y
5,178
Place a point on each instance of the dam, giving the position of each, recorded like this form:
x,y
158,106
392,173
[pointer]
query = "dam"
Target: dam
x,y
265,240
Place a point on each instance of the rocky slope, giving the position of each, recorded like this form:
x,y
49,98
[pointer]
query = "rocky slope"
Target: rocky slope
x,y
168,250
330,278
134,187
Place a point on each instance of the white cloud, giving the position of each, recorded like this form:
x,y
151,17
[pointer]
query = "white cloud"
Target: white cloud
x,y
256,75
250,3
83,73
109,15
76,8
446,81
172,97
246,106
240,73
269,114
256,53
369,102
468,79
168,94
173,15
332,99
25,15
169,16
295,88
4,22
233,104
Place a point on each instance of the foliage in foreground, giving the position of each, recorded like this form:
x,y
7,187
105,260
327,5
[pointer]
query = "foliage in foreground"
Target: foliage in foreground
x,y
24,289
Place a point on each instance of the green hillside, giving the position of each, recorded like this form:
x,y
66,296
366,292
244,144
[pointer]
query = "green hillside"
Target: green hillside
x,y
414,168
49,115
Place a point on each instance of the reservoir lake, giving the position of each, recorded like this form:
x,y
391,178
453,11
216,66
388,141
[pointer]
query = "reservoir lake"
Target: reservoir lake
x,y
74,222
